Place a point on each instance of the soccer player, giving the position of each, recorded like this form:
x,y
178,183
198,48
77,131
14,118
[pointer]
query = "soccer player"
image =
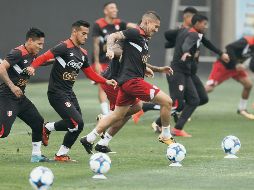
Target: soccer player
x,y
111,73
102,28
131,79
13,101
171,36
70,58
238,51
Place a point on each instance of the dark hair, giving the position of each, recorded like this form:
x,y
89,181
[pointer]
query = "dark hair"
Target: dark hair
x,y
79,23
34,33
191,10
198,18
110,2
152,14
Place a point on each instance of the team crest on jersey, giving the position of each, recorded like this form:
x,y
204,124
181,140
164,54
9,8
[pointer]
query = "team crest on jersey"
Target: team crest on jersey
x,y
9,113
117,27
67,104
104,31
71,54
181,87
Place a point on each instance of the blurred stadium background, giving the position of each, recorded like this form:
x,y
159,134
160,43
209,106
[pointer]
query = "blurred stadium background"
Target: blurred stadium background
x,y
229,20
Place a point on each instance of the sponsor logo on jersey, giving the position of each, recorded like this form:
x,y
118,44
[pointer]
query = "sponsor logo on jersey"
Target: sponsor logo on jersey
x,y
75,65
25,61
67,104
70,76
104,31
9,113
71,54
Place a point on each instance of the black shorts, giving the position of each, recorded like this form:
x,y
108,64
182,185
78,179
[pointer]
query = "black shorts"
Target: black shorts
x,y
23,108
182,90
66,106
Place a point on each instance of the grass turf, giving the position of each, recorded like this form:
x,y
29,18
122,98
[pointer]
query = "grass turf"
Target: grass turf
x,y
140,162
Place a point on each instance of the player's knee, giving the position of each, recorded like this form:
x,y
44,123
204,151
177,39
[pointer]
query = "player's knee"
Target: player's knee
x,y
248,85
195,102
80,125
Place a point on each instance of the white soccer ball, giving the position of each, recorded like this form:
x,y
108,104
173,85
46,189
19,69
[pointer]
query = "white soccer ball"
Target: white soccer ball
x,y
100,163
231,144
41,178
176,152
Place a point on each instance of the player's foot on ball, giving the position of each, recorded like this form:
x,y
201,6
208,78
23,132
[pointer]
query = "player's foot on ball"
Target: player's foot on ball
x,y
137,116
63,158
178,132
103,149
156,128
246,114
41,158
45,135
87,145
166,141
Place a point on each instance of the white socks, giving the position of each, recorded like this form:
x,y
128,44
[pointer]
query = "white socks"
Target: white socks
x,y
91,137
105,108
50,126
242,104
106,140
166,132
36,150
62,151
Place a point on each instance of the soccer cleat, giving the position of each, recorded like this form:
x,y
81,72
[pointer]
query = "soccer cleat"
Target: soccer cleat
x,y
136,116
63,158
167,141
156,128
41,158
246,114
103,149
178,132
45,135
87,145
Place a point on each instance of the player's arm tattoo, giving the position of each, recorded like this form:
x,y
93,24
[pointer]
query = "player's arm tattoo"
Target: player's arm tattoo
x,y
153,68
113,38
4,75
96,49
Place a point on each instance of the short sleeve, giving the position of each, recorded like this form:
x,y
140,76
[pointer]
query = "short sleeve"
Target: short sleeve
x,y
86,62
14,57
96,32
131,34
59,49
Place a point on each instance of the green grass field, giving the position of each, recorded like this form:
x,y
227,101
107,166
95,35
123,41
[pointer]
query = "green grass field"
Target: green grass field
x,y
140,162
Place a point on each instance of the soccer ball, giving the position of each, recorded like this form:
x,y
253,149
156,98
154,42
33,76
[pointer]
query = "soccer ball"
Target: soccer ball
x,y
100,163
231,144
41,178
176,152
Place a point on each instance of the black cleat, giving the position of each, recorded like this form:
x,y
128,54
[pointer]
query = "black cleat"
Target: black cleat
x,y
87,145
103,149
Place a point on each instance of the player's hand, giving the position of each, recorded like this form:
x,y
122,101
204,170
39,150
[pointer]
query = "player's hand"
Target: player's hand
x,y
240,67
110,54
17,91
185,55
166,69
98,68
225,57
30,71
149,73
111,82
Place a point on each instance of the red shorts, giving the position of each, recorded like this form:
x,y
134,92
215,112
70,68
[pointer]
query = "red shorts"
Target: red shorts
x,y
220,73
136,88
111,94
104,66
